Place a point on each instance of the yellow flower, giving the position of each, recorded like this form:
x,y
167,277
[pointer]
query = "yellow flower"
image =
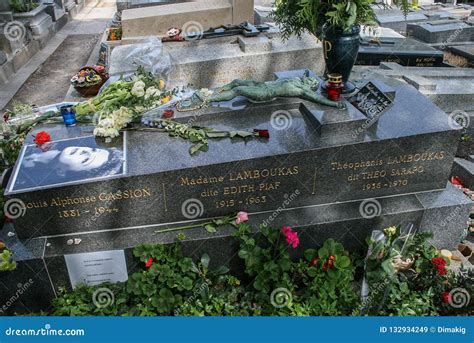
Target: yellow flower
x,y
390,231
161,84
166,99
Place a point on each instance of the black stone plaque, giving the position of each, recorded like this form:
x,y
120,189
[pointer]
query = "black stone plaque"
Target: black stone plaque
x,y
104,55
67,161
370,100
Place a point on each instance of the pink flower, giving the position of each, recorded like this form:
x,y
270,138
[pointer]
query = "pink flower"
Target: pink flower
x,y
291,236
241,217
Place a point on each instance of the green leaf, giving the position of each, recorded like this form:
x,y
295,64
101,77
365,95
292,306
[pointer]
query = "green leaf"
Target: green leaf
x,y
222,221
198,147
241,134
312,271
221,270
342,262
323,253
205,260
243,254
309,254
187,283
210,228
194,268
333,274
217,134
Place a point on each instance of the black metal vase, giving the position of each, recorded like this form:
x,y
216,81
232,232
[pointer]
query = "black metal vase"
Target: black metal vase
x,y
340,52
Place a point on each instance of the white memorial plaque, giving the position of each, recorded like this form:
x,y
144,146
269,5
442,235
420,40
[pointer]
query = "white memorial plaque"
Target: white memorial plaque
x,y
95,268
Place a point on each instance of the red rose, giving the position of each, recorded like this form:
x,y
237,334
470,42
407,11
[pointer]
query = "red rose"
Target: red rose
x,y
149,262
42,138
446,297
262,133
168,114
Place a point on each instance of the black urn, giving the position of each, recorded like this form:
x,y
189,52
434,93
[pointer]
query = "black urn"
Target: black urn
x,y
340,52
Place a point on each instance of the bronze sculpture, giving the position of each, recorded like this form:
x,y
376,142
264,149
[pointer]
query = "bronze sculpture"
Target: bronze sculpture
x,y
302,87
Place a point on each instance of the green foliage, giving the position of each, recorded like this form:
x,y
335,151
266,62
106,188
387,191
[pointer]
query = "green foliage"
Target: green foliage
x,y
266,259
319,285
404,281
403,301
6,263
297,16
460,285
162,287
328,281
23,5
9,151
83,301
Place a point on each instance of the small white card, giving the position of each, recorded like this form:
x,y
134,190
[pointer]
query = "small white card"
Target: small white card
x,y
95,268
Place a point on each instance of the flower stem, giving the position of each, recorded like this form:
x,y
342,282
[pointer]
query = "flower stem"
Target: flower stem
x,y
184,227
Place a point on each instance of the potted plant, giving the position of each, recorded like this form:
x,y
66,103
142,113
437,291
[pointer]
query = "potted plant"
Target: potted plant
x,y
335,22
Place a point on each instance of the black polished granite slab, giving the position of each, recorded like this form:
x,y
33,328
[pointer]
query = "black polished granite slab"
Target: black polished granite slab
x,y
404,51
325,154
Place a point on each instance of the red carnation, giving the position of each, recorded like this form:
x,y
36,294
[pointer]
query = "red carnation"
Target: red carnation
x,y
440,264
313,262
262,133
446,297
168,114
42,138
456,180
149,262
438,261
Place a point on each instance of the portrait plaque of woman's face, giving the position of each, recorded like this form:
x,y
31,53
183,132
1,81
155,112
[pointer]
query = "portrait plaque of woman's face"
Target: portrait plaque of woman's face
x,y
66,161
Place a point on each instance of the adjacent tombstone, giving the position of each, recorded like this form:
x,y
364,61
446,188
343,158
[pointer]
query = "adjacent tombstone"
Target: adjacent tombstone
x,y
442,31
56,11
213,62
126,4
466,51
262,14
37,20
464,169
71,8
192,17
406,52
397,21
449,88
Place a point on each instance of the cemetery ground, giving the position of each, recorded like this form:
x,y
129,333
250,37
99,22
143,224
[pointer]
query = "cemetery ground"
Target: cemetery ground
x,y
223,177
